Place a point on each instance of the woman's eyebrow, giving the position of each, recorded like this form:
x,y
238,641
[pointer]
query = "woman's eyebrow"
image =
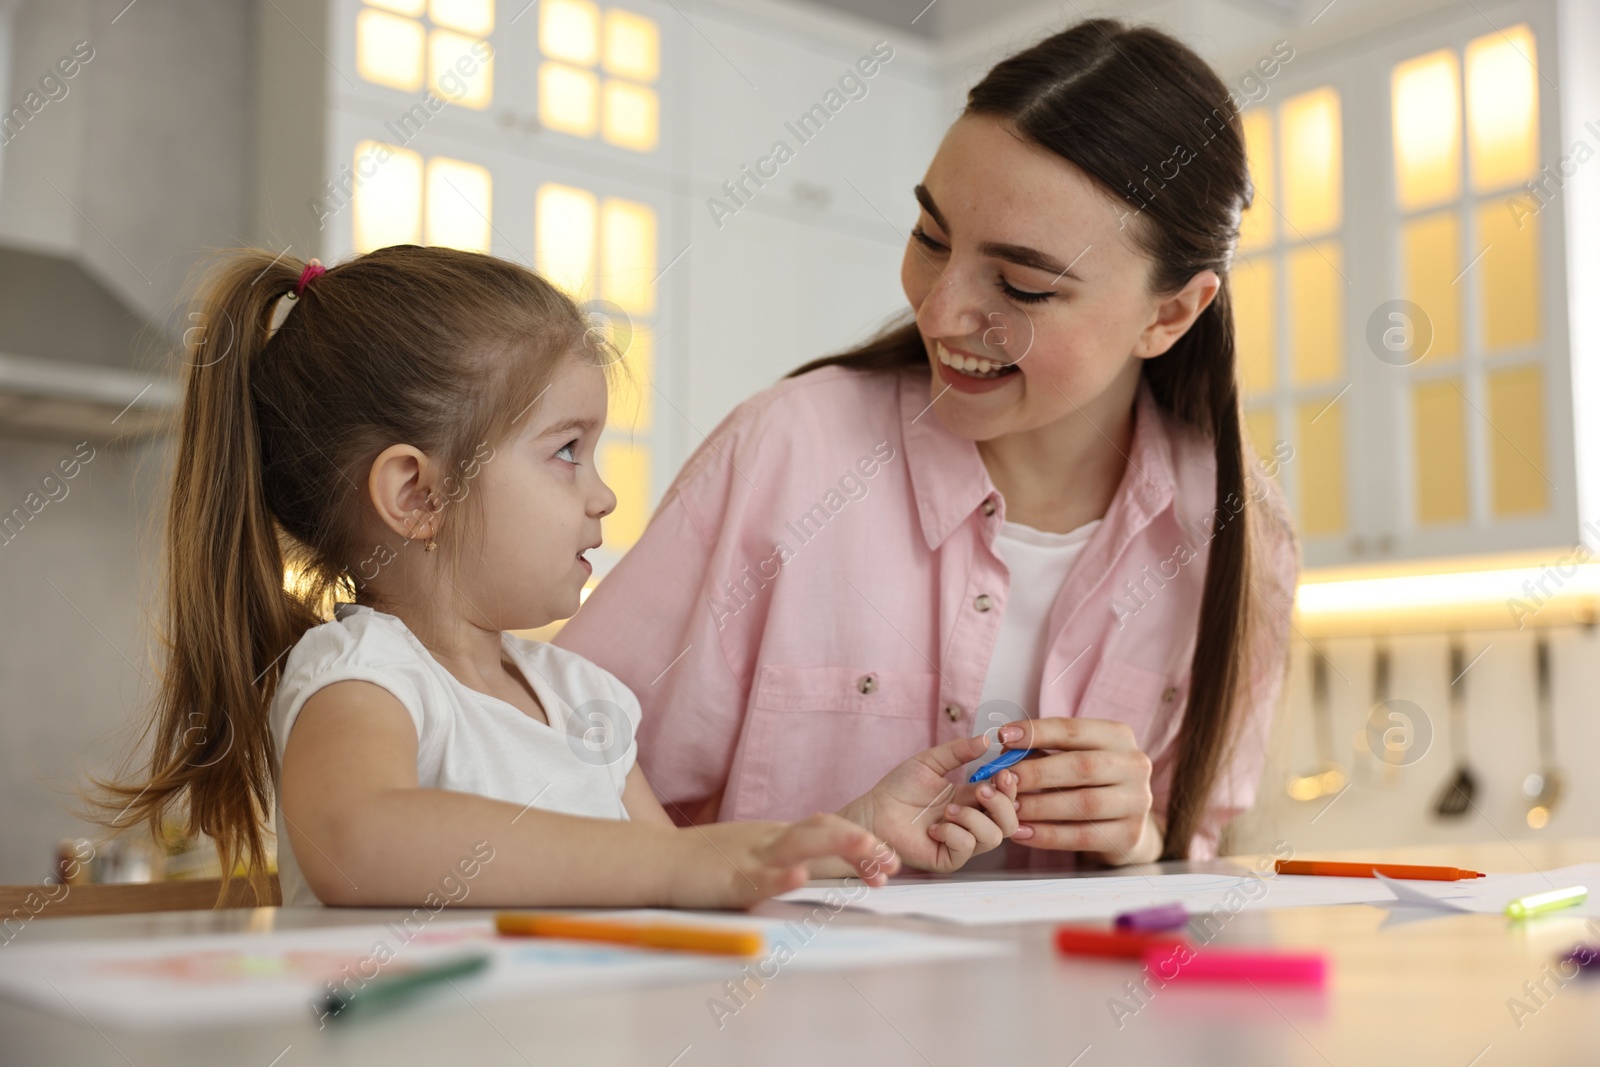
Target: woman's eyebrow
x,y
925,198
1021,255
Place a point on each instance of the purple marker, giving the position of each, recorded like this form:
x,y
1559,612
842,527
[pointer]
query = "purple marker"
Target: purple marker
x,y
1160,917
1586,957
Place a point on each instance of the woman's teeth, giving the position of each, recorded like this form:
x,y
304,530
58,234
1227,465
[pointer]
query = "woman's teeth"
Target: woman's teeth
x,y
971,366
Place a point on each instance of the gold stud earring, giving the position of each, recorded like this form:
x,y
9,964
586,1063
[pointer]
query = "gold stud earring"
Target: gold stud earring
x,y
430,545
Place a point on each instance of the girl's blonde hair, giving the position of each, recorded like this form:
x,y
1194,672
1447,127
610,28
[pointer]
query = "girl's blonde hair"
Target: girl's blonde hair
x,y
436,348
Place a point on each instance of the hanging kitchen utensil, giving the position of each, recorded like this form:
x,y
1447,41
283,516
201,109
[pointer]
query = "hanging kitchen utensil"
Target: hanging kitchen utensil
x,y
1380,699
1544,788
1455,800
1329,777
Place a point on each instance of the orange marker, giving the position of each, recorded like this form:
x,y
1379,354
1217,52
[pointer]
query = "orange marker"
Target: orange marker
x,y
1369,870
721,941
1116,944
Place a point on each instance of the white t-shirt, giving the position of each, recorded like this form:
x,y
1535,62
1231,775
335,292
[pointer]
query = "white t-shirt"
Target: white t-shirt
x,y
1039,563
468,741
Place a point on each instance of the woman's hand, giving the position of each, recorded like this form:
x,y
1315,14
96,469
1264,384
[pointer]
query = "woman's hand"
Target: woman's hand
x,y
1090,793
931,823
737,864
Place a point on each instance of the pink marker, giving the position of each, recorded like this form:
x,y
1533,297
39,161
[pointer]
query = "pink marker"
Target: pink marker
x,y
1215,965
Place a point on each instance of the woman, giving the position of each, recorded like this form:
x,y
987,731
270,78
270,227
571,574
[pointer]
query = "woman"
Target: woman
x,y
1031,503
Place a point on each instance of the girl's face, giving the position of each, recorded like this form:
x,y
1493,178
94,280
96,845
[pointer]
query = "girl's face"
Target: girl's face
x,y
541,506
1030,295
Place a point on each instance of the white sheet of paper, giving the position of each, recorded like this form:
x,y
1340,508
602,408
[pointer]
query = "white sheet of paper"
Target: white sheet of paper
x,y
1491,894
169,982
1103,897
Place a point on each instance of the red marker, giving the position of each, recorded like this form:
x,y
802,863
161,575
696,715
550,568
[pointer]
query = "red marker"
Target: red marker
x,y
1114,944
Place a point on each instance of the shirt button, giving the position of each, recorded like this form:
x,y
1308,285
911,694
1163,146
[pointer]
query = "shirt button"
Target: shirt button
x,y
988,506
952,712
983,603
867,683
1171,692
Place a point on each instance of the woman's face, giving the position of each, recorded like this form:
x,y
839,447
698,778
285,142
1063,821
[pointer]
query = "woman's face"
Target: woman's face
x,y
1024,275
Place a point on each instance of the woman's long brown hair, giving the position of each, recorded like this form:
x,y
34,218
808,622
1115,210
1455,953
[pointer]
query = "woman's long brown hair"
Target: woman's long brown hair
x,y
1116,102
432,347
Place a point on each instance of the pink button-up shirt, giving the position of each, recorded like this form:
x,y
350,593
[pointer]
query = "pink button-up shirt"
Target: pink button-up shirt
x,y
818,595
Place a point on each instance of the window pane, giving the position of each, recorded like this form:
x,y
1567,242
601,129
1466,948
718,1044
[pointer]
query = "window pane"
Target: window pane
x,y
1255,317
1430,258
633,46
458,205
1259,224
1319,463
1312,162
388,203
389,50
1261,424
1516,441
567,99
628,255
404,7
570,30
564,237
629,407
1439,442
1510,277
469,16
1427,130
631,119
625,467
1503,108
1316,314
456,73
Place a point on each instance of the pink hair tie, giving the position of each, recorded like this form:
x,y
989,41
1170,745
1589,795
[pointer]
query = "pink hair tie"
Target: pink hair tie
x,y
314,269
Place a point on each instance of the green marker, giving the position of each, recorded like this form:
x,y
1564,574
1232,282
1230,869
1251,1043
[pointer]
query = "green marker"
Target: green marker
x,y
389,991
1542,902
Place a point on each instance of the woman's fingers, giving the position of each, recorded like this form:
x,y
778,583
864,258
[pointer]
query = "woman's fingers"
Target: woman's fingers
x,y
1112,838
1074,769
1093,804
1060,732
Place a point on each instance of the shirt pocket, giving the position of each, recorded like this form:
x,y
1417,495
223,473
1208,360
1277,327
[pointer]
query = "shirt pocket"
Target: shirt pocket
x,y
1144,699
818,737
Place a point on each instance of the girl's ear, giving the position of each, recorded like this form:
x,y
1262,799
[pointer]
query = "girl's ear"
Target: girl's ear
x,y
1176,313
400,488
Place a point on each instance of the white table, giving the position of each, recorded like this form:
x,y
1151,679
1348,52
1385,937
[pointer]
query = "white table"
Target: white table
x,y
1427,993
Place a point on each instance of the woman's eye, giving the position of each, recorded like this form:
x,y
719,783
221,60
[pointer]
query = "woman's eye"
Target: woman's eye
x,y
921,237
568,452
1023,296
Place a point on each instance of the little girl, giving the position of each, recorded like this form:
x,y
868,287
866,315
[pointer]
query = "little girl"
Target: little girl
x,y
413,432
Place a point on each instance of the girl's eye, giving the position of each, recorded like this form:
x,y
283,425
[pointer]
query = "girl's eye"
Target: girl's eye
x,y
1023,296
920,235
568,452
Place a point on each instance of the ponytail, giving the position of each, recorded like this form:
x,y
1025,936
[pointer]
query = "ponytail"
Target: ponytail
x,y
229,619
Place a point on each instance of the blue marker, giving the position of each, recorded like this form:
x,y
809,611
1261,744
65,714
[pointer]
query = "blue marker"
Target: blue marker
x,y
999,763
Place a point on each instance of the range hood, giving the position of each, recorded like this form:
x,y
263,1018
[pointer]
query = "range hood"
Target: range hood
x,y
71,354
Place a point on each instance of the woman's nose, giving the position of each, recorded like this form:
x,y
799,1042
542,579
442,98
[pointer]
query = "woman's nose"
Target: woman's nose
x,y
953,307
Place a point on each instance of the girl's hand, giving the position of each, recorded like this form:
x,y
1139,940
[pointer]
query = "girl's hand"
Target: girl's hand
x,y
931,823
1091,794
737,864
